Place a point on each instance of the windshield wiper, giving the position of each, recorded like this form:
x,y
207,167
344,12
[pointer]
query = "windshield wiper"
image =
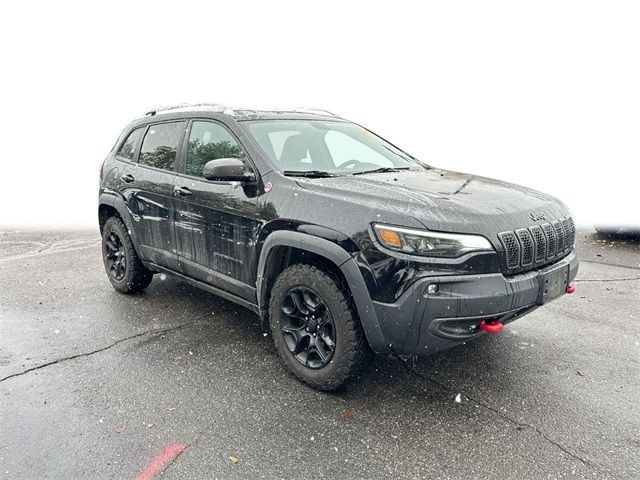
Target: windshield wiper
x,y
308,173
382,170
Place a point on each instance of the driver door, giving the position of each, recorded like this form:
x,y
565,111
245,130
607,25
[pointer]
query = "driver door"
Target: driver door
x,y
216,222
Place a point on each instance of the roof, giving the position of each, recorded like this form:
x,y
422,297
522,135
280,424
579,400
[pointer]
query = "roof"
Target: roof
x,y
242,113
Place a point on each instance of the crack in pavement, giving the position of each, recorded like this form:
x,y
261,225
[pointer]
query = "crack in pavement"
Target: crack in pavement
x,y
98,350
173,460
187,446
193,443
607,280
609,264
149,333
111,345
152,472
505,417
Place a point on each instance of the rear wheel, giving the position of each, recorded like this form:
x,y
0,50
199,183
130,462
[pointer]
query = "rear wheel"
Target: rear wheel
x,y
316,328
124,269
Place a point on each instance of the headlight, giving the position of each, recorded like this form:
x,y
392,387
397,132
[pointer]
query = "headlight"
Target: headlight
x,y
433,244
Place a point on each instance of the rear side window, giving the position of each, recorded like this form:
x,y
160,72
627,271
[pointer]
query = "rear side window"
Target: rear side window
x,y
128,148
210,141
160,145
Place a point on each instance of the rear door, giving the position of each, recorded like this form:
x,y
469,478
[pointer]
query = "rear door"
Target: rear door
x,y
150,192
125,162
217,222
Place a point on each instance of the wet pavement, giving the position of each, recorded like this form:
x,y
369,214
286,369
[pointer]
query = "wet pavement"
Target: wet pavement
x,y
95,384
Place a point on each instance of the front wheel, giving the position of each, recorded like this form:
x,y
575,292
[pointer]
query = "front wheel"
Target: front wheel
x,y
316,328
126,272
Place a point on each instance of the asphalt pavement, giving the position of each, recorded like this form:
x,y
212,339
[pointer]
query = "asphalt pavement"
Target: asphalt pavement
x,y
178,382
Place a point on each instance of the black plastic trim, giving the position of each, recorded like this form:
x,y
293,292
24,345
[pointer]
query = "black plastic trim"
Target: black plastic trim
x,y
343,260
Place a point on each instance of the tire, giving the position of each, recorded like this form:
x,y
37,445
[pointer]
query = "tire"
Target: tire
x,y
325,366
121,262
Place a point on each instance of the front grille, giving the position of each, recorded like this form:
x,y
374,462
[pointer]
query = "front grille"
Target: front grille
x,y
570,230
550,235
557,226
541,243
537,245
511,248
526,244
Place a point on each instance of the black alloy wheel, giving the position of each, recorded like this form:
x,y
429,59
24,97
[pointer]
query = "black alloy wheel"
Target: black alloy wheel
x,y
315,326
308,328
116,258
124,268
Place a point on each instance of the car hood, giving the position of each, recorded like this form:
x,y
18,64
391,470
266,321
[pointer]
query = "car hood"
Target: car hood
x,y
446,201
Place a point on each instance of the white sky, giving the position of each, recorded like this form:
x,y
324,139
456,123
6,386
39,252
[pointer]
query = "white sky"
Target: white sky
x,y
545,94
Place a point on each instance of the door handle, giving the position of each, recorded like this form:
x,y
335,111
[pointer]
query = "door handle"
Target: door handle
x,y
182,191
127,178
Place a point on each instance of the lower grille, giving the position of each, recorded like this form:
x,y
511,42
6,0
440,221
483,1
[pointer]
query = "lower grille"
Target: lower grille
x,y
539,244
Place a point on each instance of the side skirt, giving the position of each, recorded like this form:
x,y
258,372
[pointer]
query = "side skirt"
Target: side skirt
x,y
203,286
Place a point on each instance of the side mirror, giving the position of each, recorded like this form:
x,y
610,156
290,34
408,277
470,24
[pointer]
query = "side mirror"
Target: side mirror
x,y
227,169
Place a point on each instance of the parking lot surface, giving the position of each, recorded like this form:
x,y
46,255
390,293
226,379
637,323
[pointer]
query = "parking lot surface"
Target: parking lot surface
x,y
96,384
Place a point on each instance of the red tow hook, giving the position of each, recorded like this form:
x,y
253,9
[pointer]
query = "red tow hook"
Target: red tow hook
x,y
494,326
571,289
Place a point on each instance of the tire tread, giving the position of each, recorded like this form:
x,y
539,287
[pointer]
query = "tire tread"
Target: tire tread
x,y
137,276
357,353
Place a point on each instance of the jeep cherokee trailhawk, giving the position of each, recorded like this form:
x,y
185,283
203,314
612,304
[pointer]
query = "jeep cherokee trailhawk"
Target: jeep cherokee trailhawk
x,y
341,241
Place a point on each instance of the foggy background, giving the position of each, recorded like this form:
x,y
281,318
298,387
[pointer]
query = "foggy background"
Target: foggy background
x,y
545,94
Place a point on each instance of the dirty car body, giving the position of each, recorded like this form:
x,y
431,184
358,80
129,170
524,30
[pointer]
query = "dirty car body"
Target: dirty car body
x,y
389,232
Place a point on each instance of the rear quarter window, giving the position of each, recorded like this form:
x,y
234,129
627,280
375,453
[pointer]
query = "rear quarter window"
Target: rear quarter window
x,y
128,149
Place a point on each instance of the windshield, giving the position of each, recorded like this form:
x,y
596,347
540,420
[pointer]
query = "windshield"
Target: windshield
x,y
330,147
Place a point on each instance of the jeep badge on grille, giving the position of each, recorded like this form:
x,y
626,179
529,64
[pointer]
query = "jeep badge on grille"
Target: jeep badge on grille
x,y
537,216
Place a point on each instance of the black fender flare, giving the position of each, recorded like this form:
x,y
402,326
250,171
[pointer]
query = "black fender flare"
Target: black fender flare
x,y
120,206
347,265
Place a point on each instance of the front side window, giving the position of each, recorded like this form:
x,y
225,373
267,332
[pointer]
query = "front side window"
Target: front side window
x,y
128,148
334,147
210,141
160,145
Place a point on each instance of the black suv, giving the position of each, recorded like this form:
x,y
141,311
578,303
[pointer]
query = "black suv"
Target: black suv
x,y
344,243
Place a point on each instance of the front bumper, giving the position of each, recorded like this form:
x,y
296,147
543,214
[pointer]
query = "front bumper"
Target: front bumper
x,y
423,323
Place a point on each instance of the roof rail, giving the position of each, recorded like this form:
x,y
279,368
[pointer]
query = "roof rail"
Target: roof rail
x,y
226,109
315,110
216,107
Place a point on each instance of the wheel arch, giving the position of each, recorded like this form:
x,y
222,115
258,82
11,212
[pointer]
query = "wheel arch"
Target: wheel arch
x,y
283,248
110,205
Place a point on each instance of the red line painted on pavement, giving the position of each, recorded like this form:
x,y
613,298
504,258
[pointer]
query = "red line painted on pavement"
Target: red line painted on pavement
x,y
161,461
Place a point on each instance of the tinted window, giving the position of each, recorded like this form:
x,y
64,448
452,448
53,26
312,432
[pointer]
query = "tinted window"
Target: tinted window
x,y
161,144
209,141
128,148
